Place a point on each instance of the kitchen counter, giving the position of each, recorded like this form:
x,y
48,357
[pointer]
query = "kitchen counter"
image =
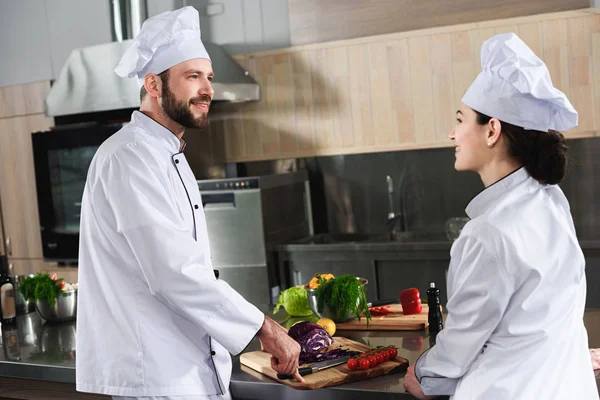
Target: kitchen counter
x,y
403,241
42,356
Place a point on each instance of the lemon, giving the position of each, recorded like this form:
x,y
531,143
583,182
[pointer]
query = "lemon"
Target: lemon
x,y
328,325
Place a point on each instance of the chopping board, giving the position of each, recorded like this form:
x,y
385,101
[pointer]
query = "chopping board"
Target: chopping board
x,y
395,321
261,361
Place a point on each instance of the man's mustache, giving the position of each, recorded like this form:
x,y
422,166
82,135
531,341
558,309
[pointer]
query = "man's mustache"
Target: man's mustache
x,y
201,99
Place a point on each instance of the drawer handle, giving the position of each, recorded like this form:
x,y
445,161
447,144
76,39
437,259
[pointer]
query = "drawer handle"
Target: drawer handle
x,y
8,246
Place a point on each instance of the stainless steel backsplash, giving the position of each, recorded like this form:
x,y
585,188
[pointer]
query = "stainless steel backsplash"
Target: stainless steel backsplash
x,y
349,193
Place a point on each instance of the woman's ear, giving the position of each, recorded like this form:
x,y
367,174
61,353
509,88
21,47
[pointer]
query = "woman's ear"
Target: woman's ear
x,y
494,131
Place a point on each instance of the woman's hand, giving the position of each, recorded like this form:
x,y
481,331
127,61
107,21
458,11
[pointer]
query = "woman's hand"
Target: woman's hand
x,y
412,386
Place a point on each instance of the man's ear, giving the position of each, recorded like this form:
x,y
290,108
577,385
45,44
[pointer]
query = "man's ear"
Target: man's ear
x,y
152,84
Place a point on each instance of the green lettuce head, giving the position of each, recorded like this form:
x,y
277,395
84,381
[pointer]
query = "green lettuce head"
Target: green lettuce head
x,y
294,301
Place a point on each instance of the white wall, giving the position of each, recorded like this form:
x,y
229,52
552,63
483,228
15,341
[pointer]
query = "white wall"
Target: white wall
x,y
37,36
24,43
246,25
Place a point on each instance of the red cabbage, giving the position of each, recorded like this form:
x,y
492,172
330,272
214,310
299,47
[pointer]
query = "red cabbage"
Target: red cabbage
x,y
302,328
313,339
327,355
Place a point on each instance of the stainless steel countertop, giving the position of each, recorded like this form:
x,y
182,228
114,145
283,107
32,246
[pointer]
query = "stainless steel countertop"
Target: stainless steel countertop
x,y
47,352
412,242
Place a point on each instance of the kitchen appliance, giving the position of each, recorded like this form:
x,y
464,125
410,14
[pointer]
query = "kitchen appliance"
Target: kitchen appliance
x,y
246,219
62,157
88,84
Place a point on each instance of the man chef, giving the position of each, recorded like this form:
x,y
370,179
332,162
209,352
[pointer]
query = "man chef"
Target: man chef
x,y
153,321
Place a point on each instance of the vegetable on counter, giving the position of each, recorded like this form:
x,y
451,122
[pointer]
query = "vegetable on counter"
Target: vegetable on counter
x,y
318,280
372,358
44,287
411,301
343,295
290,321
295,302
313,340
381,310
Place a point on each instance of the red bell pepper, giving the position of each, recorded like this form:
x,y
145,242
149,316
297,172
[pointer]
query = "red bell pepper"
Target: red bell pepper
x,y
411,301
381,310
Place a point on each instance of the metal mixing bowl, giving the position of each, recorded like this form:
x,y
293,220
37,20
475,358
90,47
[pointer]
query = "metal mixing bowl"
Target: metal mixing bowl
x,y
65,308
326,313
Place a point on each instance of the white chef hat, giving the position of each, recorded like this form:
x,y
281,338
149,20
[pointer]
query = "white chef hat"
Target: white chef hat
x,y
515,87
164,40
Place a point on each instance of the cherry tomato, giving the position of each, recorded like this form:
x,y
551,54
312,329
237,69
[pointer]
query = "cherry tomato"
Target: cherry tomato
x,y
386,354
372,361
393,353
380,358
364,363
352,363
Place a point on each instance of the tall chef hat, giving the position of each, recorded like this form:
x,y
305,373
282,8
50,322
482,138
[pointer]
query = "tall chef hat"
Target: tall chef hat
x,y
515,87
164,40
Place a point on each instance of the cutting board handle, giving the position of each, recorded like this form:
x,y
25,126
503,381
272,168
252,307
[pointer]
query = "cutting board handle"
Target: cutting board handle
x,y
302,371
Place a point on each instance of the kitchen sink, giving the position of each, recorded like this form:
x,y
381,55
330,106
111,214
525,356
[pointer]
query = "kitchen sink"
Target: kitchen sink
x,y
411,236
339,238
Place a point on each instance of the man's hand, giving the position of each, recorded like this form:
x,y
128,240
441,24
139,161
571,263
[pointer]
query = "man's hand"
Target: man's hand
x,y
284,350
595,353
411,384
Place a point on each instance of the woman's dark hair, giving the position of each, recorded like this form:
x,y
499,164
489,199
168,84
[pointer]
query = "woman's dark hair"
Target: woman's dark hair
x,y
544,154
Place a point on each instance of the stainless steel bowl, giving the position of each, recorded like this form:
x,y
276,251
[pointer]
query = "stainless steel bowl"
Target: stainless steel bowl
x,y
65,308
326,313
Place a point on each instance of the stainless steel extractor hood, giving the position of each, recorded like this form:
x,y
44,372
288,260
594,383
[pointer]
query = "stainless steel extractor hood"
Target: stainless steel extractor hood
x,y
87,82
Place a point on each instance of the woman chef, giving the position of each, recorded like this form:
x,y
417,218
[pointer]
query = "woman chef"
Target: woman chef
x,y
153,321
516,283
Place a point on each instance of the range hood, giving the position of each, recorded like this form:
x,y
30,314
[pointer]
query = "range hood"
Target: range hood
x,y
87,82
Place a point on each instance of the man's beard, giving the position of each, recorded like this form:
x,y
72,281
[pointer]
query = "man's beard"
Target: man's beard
x,y
180,112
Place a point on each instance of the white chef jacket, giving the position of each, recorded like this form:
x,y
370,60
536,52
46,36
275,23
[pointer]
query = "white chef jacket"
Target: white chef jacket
x,y
152,318
516,297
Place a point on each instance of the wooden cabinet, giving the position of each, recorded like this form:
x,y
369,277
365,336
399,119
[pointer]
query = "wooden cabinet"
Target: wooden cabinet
x,y
21,114
17,183
22,100
396,91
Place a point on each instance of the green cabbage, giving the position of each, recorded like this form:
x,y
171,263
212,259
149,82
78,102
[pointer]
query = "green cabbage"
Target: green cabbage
x,y
294,301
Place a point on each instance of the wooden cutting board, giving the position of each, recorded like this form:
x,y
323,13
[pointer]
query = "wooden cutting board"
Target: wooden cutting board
x,y
396,321
261,361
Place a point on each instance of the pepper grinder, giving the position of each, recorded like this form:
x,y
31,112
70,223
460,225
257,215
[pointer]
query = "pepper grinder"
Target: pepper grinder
x,y
435,314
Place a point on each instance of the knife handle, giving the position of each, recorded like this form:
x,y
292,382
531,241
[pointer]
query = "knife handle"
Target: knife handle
x,y
302,371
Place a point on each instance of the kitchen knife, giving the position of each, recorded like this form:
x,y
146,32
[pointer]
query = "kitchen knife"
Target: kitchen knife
x,y
383,302
318,366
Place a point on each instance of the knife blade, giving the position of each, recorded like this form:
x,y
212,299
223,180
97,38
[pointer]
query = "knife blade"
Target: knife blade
x,y
318,366
384,302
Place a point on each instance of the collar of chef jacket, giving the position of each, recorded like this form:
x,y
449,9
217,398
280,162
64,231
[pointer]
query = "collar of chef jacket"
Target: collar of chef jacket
x,y
170,140
492,193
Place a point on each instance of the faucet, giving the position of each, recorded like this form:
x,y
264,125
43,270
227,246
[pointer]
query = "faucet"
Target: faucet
x,y
395,223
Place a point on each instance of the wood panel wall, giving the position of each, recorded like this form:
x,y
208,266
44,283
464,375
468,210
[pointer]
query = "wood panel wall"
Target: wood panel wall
x,y
394,92
317,21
